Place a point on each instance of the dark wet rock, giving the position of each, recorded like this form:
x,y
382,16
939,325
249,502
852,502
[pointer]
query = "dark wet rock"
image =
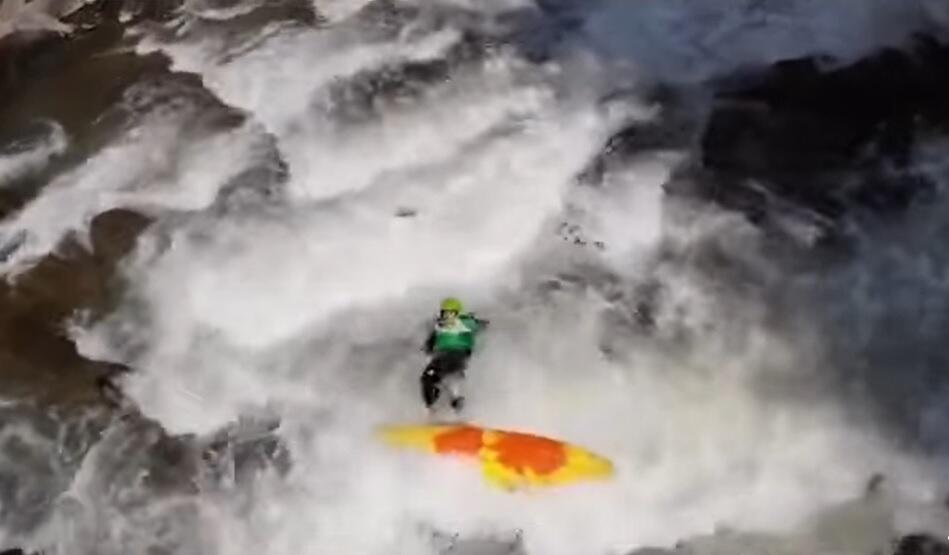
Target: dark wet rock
x,y
138,11
366,95
143,483
454,544
113,233
96,78
239,452
27,56
294,11
385,14
141,457
824,117
484,547
41,452
730,542
829,141
673,125
110,90
921,544
576,235
530,32
39,361
234,32
363,98
109,86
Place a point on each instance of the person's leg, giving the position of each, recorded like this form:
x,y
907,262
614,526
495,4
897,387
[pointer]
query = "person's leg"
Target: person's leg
x,y
457,366
453,383
431,383
457,401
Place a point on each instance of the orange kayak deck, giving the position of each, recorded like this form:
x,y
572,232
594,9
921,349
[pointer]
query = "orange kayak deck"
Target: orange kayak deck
x,y
510,460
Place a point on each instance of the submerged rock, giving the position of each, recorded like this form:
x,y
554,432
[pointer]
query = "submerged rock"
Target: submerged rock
x,y
39,361
827,140
111,88
920,544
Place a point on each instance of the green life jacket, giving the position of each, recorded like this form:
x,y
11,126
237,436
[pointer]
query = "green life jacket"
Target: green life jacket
x,y
457,335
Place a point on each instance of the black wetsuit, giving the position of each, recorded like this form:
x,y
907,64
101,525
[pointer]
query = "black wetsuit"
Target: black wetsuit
x,y
442,365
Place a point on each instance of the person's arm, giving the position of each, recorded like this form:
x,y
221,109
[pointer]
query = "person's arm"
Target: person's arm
x,y
429,345
476,324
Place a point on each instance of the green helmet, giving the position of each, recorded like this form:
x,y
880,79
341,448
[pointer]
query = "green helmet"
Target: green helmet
x,y
452,304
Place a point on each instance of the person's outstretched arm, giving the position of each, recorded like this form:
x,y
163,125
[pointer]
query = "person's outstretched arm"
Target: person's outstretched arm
x,y
481,323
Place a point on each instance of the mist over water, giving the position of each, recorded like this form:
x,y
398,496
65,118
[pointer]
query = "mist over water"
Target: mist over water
x,y
690,41
305,293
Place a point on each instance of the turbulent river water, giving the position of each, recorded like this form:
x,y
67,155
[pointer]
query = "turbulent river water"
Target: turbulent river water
x,y
325,182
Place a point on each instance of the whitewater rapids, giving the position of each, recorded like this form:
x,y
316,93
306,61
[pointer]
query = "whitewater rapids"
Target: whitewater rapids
x,y
307,296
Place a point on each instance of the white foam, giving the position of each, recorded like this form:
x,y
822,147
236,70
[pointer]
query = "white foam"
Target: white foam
x,y
18,164
696,447
18,16
149,169
317,309
202,9
338,10
263,282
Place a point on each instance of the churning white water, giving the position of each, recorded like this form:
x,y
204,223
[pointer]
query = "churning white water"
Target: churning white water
x,y
311,303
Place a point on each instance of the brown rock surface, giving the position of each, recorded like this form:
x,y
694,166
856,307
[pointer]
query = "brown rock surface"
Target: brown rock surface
x,y
37,359
76,81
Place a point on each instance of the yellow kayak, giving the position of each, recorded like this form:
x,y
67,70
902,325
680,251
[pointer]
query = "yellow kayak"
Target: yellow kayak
x,y
509,460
